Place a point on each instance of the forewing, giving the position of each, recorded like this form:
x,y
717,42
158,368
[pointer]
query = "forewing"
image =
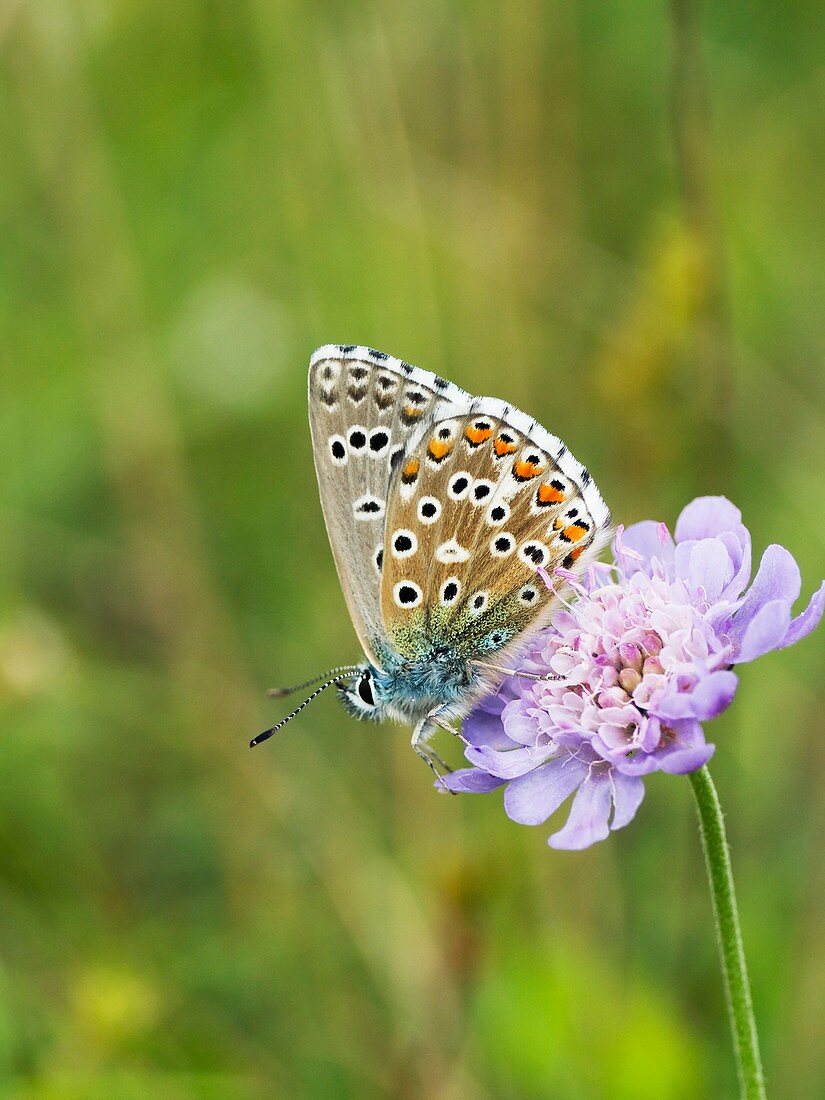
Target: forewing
x,y
494,499
363,408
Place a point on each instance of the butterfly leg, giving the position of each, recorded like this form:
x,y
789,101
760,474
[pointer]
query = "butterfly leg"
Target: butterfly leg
x,y
420,747
440,717
420,736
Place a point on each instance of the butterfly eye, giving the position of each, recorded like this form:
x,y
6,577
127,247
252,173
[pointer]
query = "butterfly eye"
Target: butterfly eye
x,y
365,690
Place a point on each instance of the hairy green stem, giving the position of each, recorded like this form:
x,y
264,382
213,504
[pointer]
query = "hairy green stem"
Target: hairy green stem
x,y
729,936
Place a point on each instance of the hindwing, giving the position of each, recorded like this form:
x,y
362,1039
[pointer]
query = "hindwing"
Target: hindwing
x,y
491,499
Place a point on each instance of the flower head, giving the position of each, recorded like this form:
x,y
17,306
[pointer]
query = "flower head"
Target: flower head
x,y
627,672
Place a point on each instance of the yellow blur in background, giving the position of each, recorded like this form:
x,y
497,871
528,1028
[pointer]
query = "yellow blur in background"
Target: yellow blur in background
x,y
609,215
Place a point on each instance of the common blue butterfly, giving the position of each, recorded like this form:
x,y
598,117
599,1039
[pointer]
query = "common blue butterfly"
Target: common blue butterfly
x,y
442,510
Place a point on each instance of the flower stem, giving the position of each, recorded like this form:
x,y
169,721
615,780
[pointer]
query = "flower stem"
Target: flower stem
x,y
729,936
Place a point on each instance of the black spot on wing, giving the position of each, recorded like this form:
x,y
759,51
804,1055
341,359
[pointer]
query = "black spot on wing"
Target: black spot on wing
x,y
395,457
347,349
378,354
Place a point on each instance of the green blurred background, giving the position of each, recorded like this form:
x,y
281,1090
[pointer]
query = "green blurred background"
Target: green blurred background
x,y
611,214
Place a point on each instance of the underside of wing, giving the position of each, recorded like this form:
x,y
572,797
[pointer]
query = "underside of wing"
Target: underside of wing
x,y
491,506
363,408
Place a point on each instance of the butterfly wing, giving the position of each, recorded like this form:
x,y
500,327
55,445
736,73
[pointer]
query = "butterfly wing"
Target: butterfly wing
x,y
363,408
494,498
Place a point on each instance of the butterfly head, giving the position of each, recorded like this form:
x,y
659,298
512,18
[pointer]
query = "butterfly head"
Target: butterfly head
x,y
406,689
360,694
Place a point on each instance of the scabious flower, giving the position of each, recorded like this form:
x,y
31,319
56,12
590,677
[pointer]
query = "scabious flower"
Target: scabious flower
x,y
641,658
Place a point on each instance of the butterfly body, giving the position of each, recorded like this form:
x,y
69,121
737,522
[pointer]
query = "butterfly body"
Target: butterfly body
x,y
407,691
446,513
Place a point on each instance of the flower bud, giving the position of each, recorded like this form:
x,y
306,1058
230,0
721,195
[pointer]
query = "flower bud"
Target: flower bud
x,y
630,679
630,655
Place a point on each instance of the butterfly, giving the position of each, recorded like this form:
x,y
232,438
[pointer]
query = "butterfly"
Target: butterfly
x,y
447,515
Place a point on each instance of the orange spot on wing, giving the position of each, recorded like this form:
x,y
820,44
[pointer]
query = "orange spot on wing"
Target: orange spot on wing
x,y
549,494
477,435
501,447
410,471
438,448
412,413
576,553
573,532
525,470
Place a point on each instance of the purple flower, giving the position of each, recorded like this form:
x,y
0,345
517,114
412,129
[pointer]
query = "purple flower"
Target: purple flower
x,y
635,665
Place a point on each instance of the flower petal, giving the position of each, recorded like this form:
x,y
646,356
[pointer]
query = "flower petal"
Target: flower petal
x,y
470,781
521,727
803,624
687,750
589,813
777,580
765,631
628,792
531,799
740,556
706,568
711,695
706,517
646,540
482,726
508,765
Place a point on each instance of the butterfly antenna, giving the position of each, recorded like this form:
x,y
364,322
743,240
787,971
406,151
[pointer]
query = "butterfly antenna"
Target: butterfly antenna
x,y
265,736
342,670
515,672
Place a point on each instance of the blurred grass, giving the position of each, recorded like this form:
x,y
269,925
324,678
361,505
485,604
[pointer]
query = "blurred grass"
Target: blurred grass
x,y
612,216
